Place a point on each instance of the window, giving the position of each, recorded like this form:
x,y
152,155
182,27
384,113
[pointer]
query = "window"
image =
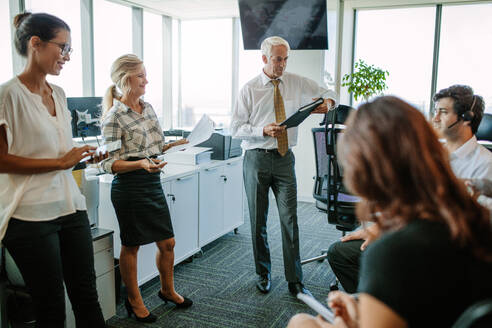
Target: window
x,y
250,63
331,53
70,78
465,48
206,71
152,53
176,41
6,72
405,49
112,39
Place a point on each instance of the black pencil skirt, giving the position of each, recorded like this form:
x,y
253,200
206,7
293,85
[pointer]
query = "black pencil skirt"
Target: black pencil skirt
x,y
141,208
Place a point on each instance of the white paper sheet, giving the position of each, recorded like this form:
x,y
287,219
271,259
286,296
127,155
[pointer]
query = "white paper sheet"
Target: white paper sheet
x,y
201,132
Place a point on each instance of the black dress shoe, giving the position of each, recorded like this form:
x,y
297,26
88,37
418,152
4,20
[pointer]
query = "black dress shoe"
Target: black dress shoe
x,y
264,283
183,305
297,287
129,309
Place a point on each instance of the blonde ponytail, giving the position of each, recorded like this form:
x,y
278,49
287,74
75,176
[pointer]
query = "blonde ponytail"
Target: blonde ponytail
x,y
107,103
121,70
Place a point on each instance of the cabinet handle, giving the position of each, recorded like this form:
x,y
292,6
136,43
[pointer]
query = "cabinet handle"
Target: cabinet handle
x,y
211,169
224,177
184,178
173,198
234,163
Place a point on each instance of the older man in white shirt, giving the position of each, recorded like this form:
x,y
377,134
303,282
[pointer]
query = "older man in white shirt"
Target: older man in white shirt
x,y
262,104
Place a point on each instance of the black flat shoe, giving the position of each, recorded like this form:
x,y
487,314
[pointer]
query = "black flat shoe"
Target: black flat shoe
x,y
297,287
264,283
129,310
185,304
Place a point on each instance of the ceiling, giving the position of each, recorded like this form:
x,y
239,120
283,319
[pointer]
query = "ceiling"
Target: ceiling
x,y
190,9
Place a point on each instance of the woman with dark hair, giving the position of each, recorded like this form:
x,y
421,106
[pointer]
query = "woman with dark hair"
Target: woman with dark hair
x,y
434,256
43,217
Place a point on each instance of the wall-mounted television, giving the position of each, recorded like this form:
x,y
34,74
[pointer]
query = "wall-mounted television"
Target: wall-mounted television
x,y
302,23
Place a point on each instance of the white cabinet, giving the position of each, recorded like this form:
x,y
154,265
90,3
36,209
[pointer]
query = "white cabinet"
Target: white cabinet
x,y
233,195
221,199
182,199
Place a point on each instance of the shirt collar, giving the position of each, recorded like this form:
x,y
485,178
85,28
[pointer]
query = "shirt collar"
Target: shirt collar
x,y
265,79
118,103
467,148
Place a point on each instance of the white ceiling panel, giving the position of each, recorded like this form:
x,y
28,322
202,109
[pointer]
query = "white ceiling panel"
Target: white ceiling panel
x,y
190,9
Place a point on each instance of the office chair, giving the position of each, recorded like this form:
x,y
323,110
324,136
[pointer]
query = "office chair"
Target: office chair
x,y
476,316
329,192
484,132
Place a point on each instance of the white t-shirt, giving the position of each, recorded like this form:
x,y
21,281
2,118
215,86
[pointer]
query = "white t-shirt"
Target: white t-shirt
x,y
33,133
472,161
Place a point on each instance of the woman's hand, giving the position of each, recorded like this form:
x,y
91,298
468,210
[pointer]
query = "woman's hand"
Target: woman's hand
x,y
152,167
345,308
74,156
97,157
174,144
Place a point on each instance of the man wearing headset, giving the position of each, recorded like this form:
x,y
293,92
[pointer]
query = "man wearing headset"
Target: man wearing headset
x,y
458,114
457,117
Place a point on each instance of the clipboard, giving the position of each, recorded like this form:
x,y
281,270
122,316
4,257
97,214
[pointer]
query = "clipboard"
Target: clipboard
x,y
301,114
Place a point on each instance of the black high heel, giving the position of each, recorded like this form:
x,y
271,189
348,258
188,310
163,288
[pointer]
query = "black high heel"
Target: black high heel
x,y
186,303
129,309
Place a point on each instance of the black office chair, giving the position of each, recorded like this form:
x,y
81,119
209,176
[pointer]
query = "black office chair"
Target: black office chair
x,y
484,132
478,315
329,192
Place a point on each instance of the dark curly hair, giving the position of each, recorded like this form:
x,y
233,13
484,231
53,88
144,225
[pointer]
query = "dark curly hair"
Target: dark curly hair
x,y
27,25
463,99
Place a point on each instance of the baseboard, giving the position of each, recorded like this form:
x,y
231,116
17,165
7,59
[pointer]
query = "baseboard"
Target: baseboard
x,y
304,198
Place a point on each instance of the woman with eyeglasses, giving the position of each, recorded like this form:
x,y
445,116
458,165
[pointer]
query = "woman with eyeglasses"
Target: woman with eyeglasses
x,y
43,217
433,258
136,191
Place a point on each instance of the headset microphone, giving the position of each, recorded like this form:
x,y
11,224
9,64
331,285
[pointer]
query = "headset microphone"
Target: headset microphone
x,y
466,116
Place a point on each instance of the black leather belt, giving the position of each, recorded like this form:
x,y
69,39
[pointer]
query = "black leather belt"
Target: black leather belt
x,y
275,150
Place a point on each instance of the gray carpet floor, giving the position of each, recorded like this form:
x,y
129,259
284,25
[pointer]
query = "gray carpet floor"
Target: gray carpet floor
x,y
221,282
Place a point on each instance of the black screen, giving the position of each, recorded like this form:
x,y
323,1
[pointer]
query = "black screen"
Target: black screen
x,y
301,22
86,112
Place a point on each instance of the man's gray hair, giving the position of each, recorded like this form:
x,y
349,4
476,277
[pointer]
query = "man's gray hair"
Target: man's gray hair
x,y
268,43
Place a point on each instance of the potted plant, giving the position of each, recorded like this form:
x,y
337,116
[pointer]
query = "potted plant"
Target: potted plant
x,y
366,81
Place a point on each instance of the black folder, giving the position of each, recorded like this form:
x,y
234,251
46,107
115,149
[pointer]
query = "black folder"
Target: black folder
x,y
301,114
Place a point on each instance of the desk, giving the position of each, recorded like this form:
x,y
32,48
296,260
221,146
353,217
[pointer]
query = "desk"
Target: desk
x,y
205,201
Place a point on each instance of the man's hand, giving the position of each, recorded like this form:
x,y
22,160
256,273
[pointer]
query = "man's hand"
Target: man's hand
x,y
273,130
368,234
327,105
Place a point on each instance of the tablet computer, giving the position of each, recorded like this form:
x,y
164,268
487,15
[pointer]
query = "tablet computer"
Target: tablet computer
x,y
301,114
317,306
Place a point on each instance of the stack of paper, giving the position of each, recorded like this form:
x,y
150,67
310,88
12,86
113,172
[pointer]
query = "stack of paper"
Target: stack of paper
x,y
190,156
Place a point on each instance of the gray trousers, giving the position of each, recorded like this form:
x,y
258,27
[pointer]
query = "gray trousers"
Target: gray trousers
x,y
262,171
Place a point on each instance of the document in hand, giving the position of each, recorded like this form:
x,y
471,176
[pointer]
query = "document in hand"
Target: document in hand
x,y
201,132
301,114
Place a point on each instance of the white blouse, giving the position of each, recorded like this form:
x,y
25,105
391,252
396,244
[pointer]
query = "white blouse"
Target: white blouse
x,y
33,133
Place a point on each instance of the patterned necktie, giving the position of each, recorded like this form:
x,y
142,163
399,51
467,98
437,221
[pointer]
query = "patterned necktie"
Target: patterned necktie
x,y
278,103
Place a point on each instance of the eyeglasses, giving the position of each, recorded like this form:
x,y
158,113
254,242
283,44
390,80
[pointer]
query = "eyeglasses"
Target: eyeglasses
x,y
65,48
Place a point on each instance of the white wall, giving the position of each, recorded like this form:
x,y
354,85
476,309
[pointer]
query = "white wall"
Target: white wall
x,y
308,63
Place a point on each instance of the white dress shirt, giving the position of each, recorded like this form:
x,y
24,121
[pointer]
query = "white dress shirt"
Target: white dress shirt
x,y
472,161
254,107
33,133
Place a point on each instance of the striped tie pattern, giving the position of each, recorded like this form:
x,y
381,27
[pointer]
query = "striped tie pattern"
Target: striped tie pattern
x,y
278,103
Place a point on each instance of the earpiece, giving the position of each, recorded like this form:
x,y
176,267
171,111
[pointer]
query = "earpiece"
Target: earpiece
x,y
466,116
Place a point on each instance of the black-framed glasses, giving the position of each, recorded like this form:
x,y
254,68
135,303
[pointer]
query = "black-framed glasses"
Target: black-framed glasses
x,y
65,48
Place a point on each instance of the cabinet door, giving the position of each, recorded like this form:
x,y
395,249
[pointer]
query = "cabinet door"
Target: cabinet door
x,y
184,216
233,195
211,204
